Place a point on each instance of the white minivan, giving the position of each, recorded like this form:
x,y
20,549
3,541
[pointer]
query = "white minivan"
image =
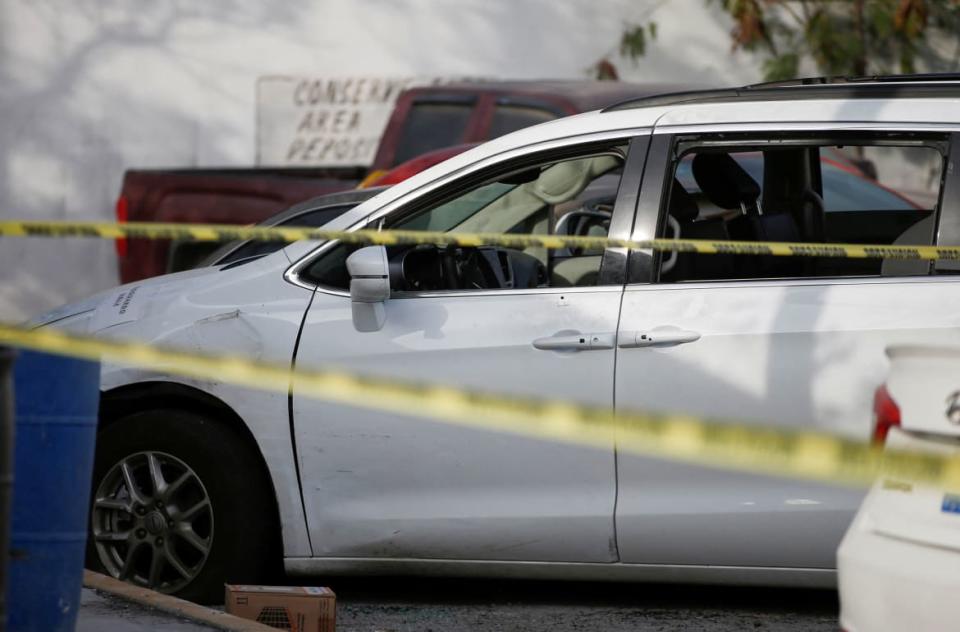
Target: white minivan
x,y
199,481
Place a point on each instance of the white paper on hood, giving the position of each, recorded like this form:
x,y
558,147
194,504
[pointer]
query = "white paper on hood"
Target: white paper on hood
x,y
123,306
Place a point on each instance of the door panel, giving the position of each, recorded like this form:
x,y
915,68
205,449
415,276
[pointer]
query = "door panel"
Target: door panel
x,y
396,486
794,354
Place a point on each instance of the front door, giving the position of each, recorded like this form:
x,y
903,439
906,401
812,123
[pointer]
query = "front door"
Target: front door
x,y
378,485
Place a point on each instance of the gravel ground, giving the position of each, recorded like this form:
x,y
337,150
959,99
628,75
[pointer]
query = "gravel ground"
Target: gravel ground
x,y
403,605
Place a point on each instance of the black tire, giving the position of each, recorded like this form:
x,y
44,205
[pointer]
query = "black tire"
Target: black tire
x,y
239,528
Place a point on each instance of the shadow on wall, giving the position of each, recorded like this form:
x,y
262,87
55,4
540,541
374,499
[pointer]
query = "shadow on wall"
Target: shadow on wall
x,y
497,39
91,87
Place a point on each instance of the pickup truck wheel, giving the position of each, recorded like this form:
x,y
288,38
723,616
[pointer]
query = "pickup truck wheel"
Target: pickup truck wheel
x,y
179,505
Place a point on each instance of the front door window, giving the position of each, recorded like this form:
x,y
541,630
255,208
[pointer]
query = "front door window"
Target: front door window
x,y
560,197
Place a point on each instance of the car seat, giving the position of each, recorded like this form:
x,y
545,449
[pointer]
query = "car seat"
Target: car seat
x,y
726,184
691,266
919,234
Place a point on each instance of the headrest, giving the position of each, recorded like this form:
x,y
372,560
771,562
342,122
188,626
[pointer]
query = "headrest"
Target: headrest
x,y
562,181
566,180
724,182
682,205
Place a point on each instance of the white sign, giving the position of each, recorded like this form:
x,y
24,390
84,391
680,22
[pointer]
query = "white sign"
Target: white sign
x,y
124,306
309,121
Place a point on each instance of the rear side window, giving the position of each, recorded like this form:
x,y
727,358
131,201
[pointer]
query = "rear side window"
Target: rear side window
x,y
510,118
432,126
855,178
880,178
883,190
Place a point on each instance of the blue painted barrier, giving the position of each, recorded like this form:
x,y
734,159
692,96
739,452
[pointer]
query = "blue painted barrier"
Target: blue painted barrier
x,y
56,401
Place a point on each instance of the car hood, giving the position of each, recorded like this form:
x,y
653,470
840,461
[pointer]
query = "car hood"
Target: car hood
x,y
247,310
160,303
116,305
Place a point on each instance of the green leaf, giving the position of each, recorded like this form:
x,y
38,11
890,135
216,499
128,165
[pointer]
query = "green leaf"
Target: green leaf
x,y
633,42
781,67
844,37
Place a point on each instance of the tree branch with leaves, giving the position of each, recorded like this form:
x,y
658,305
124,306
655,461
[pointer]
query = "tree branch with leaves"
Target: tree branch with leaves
x,y
845,37
840,37
634,39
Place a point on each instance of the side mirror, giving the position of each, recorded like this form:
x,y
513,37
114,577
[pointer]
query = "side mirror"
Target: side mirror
x,y
369,287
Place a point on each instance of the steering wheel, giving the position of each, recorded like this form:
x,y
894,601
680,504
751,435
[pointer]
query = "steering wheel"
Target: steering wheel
x,y
487,267
472,268
429,268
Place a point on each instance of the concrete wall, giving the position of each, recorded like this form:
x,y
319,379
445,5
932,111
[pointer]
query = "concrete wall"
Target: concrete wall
x,y
92,87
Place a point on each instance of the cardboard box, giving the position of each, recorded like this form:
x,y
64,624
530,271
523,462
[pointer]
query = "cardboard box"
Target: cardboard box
x,y
294,608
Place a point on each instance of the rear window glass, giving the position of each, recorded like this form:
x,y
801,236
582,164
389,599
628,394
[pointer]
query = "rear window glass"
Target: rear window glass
x,y
432,126
861,178
510,118
870,191
880,178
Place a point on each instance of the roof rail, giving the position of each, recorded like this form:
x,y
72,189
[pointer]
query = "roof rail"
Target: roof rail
x,y
928,77
871,86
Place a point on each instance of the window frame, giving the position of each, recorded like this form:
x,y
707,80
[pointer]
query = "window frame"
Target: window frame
x,y
947,232
460,181
668,146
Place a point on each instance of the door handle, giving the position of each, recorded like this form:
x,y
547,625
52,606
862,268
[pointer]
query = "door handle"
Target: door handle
x,y
659,337
575,342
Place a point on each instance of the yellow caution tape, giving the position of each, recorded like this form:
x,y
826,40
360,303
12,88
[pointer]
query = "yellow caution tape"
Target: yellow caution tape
x,y
795,453
227,232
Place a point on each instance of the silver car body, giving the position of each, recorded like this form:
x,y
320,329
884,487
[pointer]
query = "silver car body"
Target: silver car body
x,y
369,492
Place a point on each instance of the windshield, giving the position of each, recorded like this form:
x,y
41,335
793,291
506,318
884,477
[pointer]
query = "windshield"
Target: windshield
x,y
236,252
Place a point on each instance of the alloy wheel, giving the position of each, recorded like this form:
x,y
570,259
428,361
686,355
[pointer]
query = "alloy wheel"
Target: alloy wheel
x,y
152,521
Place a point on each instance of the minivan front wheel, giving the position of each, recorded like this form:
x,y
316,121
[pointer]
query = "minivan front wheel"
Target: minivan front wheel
x,y
179,505
152,521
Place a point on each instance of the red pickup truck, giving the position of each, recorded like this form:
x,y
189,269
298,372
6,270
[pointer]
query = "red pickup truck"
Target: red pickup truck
x,y
423,119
